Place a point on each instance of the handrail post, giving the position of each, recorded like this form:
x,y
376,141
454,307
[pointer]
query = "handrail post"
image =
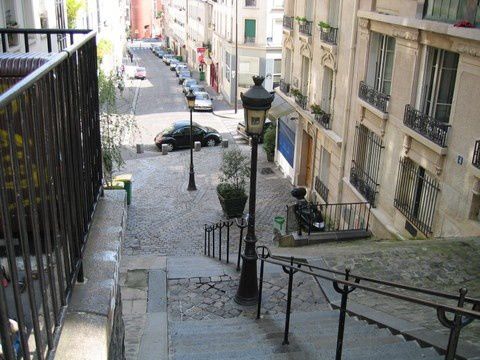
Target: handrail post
x,y
220,227
209,231
205,241
456,326
228,224
214,226
289,303
242,226
260,285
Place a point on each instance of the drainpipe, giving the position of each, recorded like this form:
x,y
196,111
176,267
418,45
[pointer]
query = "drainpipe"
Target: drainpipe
x,y
346,112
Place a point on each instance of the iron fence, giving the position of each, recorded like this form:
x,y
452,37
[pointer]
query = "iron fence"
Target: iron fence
x,y
476,155
250,3
323,119
50,180
288,22
284,87
321,189
416,195
329,35
427,126
373,97
344,282
306,27
336,217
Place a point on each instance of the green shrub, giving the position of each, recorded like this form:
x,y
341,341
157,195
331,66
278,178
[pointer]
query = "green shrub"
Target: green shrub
x,y
269,140
235,172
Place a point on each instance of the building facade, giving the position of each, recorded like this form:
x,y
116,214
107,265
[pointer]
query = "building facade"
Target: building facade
x,y
198,33
391,88
176,26
142,16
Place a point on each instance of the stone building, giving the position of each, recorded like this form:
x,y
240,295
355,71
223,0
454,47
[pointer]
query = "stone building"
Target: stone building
x,y
381,105
198,32
175,26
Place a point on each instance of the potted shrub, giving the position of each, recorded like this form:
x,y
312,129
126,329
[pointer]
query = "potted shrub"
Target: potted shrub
x,y
316,109
269,142
301,19
232,188
325,27
295,92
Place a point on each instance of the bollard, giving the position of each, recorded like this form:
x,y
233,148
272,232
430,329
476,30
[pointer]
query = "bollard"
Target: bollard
x,y
198,145
164,149
139,148
225,143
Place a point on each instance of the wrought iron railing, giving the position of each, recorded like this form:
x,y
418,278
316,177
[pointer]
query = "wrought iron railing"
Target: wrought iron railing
x,y
284,87
476,155
323,119
306,27
321,189
329,35
373,97
288,22
452,11
249,39
363,183
301,100
344,282
338,217
50,180
218,229
427,126
250,3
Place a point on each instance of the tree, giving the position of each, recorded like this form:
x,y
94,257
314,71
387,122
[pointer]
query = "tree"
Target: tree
x,y
104,47
73,7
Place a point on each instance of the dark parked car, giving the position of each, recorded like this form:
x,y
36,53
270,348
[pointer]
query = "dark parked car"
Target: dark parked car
x,y
178,135
243,134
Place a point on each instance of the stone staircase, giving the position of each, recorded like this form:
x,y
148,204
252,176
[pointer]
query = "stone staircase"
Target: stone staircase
x,y
312,336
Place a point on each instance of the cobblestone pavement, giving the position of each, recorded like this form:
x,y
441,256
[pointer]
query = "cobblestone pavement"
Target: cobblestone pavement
x,y
211,298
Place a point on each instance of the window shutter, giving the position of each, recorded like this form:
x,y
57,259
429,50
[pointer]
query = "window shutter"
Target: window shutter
x,y
250,28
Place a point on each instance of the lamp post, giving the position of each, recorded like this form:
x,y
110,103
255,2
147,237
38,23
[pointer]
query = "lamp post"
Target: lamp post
x,y
191,104
256,102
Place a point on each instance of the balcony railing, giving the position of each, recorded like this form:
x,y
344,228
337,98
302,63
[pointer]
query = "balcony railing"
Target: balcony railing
x,y
426,126
284,87
323,119
306,28
250,3
249,39
452,11
301,100
329,35
476,155
288,22
373,97
50,180
321,189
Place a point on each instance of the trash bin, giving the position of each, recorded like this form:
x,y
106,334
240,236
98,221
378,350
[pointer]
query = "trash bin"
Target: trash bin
x,y
278,222
126,179
202,76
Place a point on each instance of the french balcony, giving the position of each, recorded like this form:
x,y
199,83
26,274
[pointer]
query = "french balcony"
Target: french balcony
x,y
284,87
288,22
306,28
301,100
321,189
363,183
329,35
476,155
323,119
425,125
250,3
249,40
373,97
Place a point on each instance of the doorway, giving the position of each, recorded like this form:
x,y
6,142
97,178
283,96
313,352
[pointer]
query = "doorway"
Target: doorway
x,y
306,170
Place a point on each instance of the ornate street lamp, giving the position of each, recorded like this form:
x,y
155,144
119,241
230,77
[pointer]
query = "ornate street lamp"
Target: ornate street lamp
x,y
256,102
191,104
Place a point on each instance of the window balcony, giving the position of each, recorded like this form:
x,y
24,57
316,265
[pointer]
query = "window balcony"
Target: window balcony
x,y
426,126
329,35
323,119
373,97
288,22
250,3
476,155
306,28
284,87
300,99
249,40
321,189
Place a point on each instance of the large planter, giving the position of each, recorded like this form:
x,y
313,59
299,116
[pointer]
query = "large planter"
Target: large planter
x,y
270,157
233,207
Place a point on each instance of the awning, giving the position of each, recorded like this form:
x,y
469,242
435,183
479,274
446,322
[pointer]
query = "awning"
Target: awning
x,y
280,107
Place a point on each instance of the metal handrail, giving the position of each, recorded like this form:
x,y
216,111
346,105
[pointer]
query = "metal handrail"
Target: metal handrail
x,y
462,316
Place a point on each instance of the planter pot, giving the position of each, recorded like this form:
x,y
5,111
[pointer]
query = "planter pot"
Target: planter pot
x,y
233,207
324,29
270,157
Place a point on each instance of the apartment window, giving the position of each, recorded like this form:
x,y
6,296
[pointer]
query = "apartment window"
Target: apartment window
x,y
321,182
333,12
366,162
416,195
278,4
250,30
439,83
277,72
305,75
327,89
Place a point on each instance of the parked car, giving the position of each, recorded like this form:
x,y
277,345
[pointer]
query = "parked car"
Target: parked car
x,y
187,84
203,101
173,64
140,73
178,135
167,58
185,74
197,88
181,67
243,134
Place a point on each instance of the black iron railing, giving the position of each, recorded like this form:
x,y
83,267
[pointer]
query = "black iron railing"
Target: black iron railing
x,y
250,3
249,39
321,189
338,217
301,100
344,282
363,182
323,119
427,126
288,22
329,35
50,180
218,229
306,28
284,87
476,155
373,97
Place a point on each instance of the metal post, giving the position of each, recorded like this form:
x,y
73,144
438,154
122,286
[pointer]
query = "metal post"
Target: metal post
x,y
209,242
241,226
220,226
289,303
191,179
456,326
228,240
236,56
213,240
205,242
247,292
260,288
